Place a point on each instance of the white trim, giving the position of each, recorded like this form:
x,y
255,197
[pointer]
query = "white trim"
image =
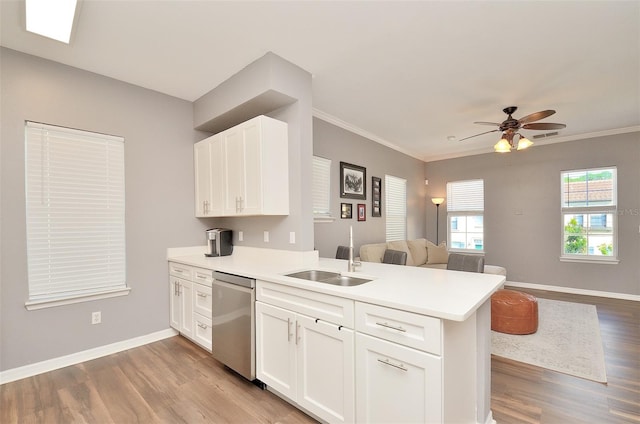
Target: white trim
x,y
317,219
584,292
85,355
33,305
591,260
359,131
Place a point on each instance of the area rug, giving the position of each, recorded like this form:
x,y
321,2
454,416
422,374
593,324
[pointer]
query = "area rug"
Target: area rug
x,y
568,341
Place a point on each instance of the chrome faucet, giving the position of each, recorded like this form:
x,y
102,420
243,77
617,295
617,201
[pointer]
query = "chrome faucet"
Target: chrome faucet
x,y
352,264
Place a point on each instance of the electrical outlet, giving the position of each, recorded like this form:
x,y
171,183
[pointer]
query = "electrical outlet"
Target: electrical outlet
x,y
266,236
96,317
240,235
292,237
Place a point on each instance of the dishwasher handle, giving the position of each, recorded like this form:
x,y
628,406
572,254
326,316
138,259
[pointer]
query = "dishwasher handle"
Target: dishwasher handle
x,y
234,279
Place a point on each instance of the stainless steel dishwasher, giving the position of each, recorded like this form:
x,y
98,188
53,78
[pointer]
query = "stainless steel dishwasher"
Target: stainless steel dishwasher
x,y
233,323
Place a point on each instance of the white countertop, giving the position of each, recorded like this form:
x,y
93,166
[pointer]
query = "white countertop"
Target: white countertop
x,y
450,295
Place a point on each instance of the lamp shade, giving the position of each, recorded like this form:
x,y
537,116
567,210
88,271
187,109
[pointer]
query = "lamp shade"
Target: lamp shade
x,y
502,146
437,200
523,143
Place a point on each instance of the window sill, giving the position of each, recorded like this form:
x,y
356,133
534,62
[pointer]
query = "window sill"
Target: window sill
x,y
467,252
607,261
33,305
322,219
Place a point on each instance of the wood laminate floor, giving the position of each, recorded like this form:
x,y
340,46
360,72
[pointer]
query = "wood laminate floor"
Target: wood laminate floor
x,y
173,381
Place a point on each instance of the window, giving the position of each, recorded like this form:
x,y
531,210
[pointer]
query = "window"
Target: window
x,y
465,210
395,190
75,215
321,189
589,209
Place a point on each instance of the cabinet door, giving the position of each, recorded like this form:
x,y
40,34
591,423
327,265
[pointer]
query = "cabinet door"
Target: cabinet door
x,y
186,308
218,178
233,170
251,164
276,349
202,166
396,383
326,375
174,302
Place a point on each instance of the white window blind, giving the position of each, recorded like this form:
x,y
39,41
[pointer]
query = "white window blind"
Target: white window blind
x,y
465,196
75,213
321,188
396,207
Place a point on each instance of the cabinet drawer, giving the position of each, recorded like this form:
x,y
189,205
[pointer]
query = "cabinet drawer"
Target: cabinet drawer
x,y
329,308
202,300
179,270
413,330
203,276
202,331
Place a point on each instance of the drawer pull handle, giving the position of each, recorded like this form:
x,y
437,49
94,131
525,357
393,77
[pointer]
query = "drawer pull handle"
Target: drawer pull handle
x,y
387,362
203,326
289,329
179,271
386,325
202,295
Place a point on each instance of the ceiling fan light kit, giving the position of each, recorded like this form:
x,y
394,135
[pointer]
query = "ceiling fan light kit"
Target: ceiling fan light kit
x,y
510,128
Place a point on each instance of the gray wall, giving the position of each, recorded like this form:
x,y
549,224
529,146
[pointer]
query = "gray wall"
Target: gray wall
x,y
242,97
529,244
159,137
337,144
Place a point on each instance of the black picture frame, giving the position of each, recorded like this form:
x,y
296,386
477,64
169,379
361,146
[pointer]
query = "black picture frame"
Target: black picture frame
x,y
346,210
376,197
353,181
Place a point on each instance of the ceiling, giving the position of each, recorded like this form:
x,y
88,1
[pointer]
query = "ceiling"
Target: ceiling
x,y
405,74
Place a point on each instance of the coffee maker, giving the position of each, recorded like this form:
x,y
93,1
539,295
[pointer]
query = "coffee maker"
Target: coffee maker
x,y
219,242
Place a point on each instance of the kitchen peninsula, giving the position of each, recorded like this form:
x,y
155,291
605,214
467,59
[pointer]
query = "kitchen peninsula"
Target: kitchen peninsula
x,y
412,344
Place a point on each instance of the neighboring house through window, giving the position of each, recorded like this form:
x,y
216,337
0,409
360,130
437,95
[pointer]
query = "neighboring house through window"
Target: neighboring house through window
x,y
589,210
465,213
395,190
75,215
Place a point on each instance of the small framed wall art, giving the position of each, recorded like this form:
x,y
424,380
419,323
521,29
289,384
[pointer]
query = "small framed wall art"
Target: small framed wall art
x,y
376,197
353,181
362,212
345,210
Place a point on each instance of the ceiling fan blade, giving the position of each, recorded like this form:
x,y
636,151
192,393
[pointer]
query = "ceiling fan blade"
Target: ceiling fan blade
x,y
543,126
536,116
471,136
487,123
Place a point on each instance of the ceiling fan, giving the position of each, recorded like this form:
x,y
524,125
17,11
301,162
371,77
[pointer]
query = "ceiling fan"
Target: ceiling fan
x,y
510,127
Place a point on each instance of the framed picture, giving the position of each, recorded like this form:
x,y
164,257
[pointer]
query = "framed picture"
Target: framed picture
x,y
353,181
362,212
345,210
376,197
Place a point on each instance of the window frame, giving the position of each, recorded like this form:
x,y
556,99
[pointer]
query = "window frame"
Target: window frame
x,y
321,190
586,211
456,210
390,184
66,167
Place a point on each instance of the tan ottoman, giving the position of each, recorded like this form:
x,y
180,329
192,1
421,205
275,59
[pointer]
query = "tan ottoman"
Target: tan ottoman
x,y
514,312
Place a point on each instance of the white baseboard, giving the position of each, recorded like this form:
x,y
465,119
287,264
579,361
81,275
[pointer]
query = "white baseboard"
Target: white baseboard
x,y
571,290
86,355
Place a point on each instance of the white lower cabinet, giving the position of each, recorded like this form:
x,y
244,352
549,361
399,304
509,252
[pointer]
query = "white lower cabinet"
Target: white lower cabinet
x,y
190,302
307,360
396,384
182,306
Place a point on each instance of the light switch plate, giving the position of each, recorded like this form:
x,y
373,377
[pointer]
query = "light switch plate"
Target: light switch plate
x,y
266,236
240,235
292,237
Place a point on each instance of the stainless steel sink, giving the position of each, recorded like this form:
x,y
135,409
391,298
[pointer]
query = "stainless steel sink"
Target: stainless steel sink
x,y
328,277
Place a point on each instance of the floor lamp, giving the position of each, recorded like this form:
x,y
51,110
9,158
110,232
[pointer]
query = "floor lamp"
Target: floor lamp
x,y
437,201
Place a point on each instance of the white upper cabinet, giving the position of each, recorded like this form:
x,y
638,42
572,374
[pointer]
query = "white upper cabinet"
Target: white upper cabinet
x,y
243,170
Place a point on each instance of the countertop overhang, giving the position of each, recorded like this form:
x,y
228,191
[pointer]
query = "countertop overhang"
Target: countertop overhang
x,y
449,295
